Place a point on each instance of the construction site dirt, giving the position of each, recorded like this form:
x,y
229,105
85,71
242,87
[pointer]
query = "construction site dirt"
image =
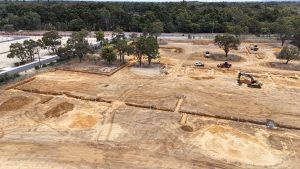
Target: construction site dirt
x,y
133,117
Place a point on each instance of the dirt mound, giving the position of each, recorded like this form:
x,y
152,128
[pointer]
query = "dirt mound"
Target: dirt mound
x,y
283,66
172,49
152,70
45,99
188,127
233,145
221,57
15,103
59,110
87,121
202,77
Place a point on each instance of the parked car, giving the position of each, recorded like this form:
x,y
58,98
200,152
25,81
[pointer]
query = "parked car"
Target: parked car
x,y
199,64
207,54
224,65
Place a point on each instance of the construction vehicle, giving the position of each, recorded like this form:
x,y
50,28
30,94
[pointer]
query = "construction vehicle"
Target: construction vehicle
x,y
199,64
224,65
249,80
254,47
207,54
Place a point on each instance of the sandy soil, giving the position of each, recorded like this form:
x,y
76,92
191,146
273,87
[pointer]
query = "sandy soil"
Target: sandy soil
x,y
64,119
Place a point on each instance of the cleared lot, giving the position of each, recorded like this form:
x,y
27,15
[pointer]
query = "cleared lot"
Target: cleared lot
x,y
65,119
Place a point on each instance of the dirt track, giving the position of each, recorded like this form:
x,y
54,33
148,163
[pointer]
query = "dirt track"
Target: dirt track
x,y
65,119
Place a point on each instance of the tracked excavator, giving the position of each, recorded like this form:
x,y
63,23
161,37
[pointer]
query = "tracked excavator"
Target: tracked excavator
x,y
249,80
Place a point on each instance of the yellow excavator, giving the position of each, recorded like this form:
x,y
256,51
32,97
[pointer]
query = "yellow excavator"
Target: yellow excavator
x,y
249,80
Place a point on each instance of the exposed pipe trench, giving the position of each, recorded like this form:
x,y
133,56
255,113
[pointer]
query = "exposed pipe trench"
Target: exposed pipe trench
x,y
98,99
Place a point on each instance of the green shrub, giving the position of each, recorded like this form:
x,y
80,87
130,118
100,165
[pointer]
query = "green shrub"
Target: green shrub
x,y
7,77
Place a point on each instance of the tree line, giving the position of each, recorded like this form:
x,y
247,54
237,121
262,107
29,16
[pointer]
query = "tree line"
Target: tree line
x,y
144,46
189,17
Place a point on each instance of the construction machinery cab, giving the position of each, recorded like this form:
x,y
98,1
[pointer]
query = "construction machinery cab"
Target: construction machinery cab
x,y
254,48
207,54
248,79
224,65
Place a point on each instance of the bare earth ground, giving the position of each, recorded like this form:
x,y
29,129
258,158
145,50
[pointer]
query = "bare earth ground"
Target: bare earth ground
x,y
90,66
65,119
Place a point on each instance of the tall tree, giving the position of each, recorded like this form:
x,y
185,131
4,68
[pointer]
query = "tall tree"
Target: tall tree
x,y
237,30
154,28
296,38
108,54
120,43
146,45
52,40
150,48
17,50
32,20
78,44
30,48
284,30
227,42
289,53
8,28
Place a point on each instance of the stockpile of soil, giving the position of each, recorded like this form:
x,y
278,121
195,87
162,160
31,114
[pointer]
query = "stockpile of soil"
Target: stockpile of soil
x,y
152,70
15,103
59,110
87,121
223,142
221,57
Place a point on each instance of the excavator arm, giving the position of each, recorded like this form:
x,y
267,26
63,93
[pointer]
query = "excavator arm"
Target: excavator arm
x,y
251,83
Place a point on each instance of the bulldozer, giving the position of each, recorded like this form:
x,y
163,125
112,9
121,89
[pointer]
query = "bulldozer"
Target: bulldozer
x,y
249,80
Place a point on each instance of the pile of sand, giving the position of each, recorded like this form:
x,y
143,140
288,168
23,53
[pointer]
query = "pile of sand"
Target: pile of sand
x,y
86,121
226,143
15,103
230,57
153,70
59,110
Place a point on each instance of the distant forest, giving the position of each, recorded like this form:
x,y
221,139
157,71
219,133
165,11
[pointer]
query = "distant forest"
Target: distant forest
x,y
191,17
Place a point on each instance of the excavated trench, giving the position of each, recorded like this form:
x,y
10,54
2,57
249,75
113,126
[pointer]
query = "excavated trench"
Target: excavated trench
x,y
231,118
15,103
